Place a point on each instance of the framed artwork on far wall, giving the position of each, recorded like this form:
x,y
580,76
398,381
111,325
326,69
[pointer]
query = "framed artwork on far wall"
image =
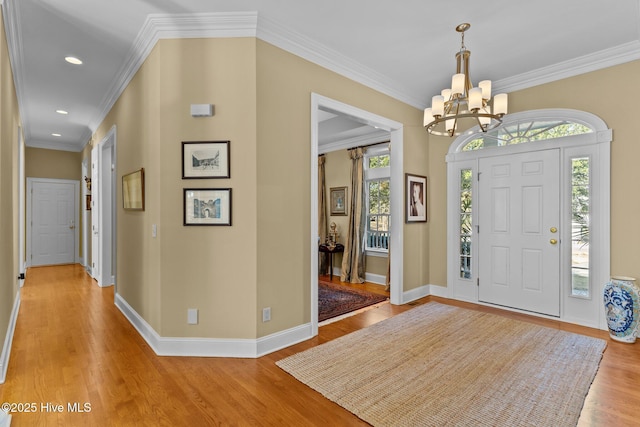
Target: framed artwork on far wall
x,y
205,159
415,198
133,191
207,206
338,200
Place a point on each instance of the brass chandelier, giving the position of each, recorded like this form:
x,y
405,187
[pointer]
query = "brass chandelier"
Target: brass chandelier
x,y
463,101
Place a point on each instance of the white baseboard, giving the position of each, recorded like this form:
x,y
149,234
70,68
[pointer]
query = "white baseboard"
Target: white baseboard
x,y
5,419
212,347
424,291
375,278
8,340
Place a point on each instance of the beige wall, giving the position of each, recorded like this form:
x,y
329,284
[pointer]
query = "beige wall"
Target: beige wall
x,y
262,105
56,164
212,269
53,164
285,84
262,97
9,208
599,93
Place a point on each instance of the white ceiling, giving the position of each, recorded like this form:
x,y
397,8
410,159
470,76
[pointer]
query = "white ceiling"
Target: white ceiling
x,y
405,49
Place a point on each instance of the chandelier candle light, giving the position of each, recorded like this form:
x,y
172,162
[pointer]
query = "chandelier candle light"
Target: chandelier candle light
x,y
463,100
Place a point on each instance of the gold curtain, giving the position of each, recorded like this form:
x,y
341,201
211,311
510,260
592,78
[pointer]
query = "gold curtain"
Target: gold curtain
x,y
322,213
353,268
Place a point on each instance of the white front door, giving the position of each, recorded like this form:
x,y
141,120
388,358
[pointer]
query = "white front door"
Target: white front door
x,y
53,223
519,216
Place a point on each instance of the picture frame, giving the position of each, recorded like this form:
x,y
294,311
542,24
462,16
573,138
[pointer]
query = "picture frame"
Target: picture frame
x,y
133,190
87,204
207,206
338,201
415,198
206,159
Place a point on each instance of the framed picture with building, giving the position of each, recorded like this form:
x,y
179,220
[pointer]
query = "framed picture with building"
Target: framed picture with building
x,y
207,206
205,159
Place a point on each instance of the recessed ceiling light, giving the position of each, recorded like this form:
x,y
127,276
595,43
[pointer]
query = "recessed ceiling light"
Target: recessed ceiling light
x,y
62,112
73,60
55,134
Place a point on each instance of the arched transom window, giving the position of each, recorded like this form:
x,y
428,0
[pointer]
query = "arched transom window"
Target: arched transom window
x,y
526,131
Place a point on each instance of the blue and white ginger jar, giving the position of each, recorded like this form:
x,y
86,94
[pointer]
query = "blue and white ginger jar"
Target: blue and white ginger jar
x,y
621,308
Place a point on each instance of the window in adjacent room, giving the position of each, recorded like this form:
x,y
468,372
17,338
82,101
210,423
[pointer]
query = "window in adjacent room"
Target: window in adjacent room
x,y
377,197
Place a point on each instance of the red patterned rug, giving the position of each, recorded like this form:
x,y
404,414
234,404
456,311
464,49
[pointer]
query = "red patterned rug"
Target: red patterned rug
x,y
335,300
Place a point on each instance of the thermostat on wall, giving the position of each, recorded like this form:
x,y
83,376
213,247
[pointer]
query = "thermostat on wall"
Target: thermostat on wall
x,y
201,110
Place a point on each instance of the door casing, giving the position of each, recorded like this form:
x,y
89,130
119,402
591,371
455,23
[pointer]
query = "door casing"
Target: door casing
x,y
29,199
597,147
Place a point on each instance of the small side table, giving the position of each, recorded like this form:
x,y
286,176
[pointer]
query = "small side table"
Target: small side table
x,y
338,248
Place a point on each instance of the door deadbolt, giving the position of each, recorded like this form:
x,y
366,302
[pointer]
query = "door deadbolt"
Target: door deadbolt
x,y
553,230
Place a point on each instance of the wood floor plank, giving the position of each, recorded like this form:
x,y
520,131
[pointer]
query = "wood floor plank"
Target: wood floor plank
x,y
73,346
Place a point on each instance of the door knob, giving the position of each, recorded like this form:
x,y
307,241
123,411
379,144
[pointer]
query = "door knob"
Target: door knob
x,y
553,230
553,241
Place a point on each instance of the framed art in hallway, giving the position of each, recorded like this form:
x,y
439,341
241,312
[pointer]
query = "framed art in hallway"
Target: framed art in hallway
x,y
207,206
205,159
415,198
133,191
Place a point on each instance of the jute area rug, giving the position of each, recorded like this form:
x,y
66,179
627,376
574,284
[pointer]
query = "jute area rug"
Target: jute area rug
x,y
437,365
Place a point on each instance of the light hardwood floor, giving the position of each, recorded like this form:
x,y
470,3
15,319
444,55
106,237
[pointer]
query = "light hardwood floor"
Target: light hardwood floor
x,y
72,345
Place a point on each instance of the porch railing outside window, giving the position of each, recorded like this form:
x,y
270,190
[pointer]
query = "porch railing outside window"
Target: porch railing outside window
x,y
377,236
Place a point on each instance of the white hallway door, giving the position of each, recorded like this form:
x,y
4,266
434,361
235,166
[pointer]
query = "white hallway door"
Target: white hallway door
x,y
519,252
53,223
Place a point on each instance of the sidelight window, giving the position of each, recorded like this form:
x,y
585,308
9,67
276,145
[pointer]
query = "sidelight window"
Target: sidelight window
x,y
580,226
465,223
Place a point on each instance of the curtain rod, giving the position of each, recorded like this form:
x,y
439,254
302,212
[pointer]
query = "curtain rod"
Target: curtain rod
x,y
370,145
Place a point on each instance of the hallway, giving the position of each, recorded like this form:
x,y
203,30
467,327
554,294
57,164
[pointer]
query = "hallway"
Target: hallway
x,y
72,347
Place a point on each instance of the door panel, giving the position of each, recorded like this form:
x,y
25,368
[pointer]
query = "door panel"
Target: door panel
x,y
519,267
53,223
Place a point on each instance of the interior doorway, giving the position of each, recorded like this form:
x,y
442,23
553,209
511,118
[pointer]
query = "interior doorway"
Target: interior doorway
x,y
52,215
319,104
103,214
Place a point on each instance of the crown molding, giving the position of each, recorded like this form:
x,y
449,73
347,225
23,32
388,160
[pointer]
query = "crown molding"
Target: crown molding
x,y
167,26
309,49
61,146
12,28
584,64
343,144
249,24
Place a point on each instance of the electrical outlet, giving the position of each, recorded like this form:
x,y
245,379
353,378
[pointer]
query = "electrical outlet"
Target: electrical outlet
x,y
192,316
266,314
